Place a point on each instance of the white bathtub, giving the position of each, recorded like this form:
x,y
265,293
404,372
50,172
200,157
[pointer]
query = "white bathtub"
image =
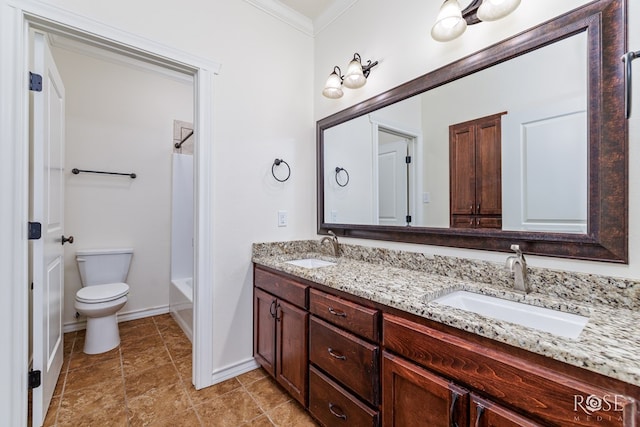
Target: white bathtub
x,y
181,304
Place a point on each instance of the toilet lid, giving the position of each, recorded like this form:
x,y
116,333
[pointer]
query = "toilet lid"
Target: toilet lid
x,y
102,293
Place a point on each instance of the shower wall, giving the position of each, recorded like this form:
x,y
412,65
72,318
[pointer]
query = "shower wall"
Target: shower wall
x,y
181,286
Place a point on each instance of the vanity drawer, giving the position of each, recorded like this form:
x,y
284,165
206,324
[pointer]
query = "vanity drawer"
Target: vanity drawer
x,y
348,315
334,406
349,359
287,289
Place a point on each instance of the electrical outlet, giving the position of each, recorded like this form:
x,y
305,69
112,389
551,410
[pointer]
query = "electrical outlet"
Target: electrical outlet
x,y
334,216
426,197
282,218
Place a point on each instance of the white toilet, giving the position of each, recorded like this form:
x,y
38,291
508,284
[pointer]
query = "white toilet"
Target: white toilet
x,y
103,273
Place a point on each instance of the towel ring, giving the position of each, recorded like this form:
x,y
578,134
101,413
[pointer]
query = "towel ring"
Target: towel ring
x,y
338,170
277,162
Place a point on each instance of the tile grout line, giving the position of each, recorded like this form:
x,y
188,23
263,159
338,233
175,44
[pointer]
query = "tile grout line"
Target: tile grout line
x,y
124,384
175,366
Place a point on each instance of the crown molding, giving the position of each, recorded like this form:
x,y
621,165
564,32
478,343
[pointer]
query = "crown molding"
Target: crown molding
x,y
331,14
285,14
298,20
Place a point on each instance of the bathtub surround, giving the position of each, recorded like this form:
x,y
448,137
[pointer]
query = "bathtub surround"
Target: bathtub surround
x,y
409,281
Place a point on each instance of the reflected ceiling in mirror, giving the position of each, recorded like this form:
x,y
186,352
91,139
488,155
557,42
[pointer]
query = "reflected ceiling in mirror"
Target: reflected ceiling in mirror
x,y
523,142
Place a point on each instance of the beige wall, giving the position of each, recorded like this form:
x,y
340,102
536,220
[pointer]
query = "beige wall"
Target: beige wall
x,y
405,51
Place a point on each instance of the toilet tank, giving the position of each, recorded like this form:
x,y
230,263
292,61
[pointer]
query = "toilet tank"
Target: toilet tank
x,y
100,266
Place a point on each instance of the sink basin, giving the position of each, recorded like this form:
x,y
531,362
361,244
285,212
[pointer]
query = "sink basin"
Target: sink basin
x,y
556,322
311,263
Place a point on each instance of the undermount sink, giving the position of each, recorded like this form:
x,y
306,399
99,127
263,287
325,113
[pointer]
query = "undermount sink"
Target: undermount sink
x,y
311,263
544,319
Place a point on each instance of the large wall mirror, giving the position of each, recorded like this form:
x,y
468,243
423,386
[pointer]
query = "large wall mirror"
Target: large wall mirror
x,y
523,142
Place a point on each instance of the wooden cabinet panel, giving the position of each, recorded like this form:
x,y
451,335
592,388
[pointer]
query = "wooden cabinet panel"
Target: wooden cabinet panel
x,y
463,162
484,413
348,315
542,393
489,166
282,287
414,396
264,332
292,354
475,172
334,406
352,361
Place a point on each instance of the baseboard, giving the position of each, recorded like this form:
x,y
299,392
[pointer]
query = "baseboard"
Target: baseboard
x,y
122,317
234,370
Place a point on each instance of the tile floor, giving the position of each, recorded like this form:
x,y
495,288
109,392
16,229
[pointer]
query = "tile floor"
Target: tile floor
x,y
147,381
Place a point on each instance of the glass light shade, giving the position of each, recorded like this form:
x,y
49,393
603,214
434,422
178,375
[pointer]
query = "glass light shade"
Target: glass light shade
x,y
449,23
354,78
491,10
333,87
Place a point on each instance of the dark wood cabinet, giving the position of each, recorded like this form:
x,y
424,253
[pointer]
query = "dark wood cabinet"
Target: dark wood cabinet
x,y
484,413
519,386
413,396
362,365
475,173
281,333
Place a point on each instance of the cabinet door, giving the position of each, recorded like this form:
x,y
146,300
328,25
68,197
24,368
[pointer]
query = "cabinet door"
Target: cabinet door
x,y
462,169
292,354
488,414
264,330
488,166
413,396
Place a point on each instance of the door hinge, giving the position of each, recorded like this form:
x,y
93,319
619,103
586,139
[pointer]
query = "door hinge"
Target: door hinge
x,y
35,82
408,218
35,379
407,159
35,230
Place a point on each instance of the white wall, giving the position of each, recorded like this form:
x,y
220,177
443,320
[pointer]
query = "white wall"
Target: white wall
x,y
263,109
398,37
120,119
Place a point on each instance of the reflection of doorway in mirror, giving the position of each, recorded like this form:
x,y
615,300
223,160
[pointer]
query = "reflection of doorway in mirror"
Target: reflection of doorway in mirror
x,y
394,172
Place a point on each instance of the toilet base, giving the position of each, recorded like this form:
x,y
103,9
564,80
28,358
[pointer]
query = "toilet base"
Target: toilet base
x,y
102,334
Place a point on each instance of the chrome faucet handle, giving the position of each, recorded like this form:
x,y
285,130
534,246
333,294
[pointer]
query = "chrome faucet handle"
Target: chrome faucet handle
x,y
516,249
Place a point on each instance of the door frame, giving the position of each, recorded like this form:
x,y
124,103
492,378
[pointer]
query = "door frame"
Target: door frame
x,y
16,18
415,174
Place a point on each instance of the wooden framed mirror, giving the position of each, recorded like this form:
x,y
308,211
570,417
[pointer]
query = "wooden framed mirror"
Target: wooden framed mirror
x,y
557,91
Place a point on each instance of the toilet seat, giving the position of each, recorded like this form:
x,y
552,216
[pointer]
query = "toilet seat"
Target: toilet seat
x,y
102,293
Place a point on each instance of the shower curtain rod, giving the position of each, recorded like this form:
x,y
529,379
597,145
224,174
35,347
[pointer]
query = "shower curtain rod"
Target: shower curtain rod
x,y
179,144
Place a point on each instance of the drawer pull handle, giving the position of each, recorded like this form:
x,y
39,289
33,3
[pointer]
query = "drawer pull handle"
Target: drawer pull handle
x,y
337,313
452,421
340,414
336,355
480,411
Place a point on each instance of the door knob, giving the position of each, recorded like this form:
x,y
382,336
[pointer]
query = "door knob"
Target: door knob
x,y
67,239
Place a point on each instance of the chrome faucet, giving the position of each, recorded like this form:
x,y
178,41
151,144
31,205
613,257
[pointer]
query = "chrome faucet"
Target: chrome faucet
x,y
334,241
518,265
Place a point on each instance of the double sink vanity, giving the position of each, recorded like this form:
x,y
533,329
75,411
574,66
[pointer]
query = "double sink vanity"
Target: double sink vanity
x,y
382,337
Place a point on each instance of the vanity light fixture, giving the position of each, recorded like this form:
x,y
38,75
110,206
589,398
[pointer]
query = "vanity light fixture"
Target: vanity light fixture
x,y
452,21
355,77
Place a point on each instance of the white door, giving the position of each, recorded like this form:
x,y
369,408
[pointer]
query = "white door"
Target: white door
x,y
47,208
393,183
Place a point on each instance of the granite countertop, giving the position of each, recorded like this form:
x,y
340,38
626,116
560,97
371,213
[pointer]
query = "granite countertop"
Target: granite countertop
x,y
609,344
